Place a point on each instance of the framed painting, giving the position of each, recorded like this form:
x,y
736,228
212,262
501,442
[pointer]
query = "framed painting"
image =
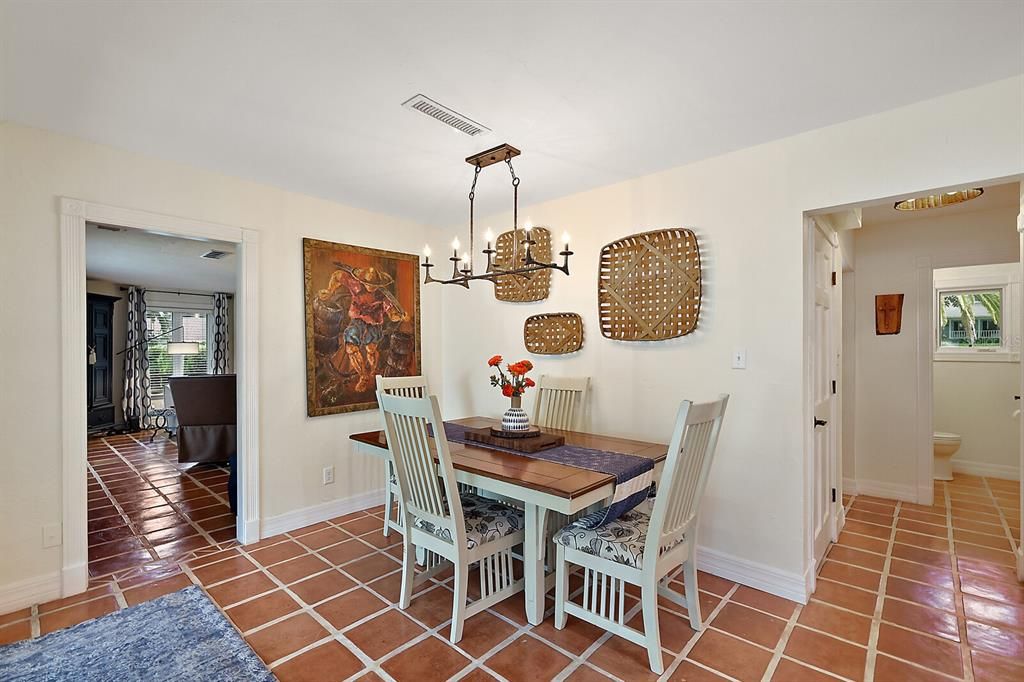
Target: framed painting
x,y
362,319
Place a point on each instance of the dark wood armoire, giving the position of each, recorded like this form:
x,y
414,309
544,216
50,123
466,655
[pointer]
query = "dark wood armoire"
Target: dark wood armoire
x,y
99,335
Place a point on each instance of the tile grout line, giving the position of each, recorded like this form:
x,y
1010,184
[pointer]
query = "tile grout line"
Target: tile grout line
x,y
876,619
187,473
780,646
1002,516
187,517
966,664
708,622
117,505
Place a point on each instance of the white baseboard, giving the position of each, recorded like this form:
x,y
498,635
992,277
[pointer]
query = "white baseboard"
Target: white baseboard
x,y
849,486
784,584
984,469
321,512
18,595
889,491
74,579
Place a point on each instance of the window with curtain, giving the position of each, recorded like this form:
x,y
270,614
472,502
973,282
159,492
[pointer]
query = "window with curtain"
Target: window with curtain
x,y
194,327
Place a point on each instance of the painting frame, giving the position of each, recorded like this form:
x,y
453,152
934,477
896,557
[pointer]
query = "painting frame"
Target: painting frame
x,y
406,266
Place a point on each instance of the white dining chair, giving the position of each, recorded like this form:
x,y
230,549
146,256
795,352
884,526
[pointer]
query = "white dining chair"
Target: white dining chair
x,y
463,529
408,387
645,546
560,402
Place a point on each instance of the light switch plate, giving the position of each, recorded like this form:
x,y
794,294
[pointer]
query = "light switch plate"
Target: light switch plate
x,y
51,535
739,359
328,475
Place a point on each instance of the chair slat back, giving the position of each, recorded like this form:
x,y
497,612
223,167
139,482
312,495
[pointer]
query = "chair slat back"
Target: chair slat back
x,y
407,387
428,489
685,475
560,402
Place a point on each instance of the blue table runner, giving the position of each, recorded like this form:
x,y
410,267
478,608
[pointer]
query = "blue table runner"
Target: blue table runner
x,y
634,476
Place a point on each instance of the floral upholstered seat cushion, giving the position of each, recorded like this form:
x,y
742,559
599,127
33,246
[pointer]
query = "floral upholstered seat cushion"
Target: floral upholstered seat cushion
x,y
621,540
486,520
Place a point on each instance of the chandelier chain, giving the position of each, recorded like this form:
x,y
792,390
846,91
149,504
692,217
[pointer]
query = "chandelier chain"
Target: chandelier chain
x,y
515,211
472,196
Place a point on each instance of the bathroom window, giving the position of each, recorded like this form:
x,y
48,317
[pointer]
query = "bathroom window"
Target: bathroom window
x,y
971,319
974,309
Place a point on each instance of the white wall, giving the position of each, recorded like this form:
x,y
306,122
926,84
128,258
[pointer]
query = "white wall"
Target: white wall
x,y
36,167
746,208
975,399
888,258
848,381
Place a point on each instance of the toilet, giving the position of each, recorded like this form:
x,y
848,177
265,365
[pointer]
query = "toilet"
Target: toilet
x,y
945,446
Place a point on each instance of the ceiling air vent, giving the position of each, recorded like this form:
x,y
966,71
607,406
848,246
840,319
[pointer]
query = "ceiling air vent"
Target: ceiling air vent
x,y
214,254
425,105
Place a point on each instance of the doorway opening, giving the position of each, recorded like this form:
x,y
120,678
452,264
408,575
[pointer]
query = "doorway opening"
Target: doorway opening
x,y
159,326
161,409
909,317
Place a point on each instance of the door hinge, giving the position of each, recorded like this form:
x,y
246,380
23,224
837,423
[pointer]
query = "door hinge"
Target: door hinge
x,y
833,387
833,278
833,494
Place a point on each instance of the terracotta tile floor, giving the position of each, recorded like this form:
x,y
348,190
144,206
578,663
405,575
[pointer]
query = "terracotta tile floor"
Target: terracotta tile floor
x,y
908,593
147,511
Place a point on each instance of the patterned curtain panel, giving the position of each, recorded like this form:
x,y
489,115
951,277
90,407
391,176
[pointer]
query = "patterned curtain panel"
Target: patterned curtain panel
x,y
221,362
136,401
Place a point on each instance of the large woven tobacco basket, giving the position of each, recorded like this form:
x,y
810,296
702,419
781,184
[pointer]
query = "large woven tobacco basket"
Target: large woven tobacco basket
x,y
649,286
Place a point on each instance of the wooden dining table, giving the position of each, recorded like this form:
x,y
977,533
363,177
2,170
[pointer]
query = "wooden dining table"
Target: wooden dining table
x,y
541,486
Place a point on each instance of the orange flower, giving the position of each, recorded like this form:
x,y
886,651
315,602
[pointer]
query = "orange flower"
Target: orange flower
x,y
517,369
494,361
507,390
529,383
527,365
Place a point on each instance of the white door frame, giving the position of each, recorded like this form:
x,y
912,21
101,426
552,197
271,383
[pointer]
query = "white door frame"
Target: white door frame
x,y
924,350
74,214
1020,342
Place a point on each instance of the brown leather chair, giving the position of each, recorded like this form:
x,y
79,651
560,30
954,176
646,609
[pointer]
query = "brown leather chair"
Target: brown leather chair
x,y
206,407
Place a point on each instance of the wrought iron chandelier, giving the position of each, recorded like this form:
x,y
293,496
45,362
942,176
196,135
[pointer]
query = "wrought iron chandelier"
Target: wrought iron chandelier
x,y
520,265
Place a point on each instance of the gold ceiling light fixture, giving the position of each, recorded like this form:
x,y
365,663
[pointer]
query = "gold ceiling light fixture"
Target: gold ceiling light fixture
x,y
522,263
938,200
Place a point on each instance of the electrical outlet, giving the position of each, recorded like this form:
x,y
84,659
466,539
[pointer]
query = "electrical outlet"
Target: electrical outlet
x,y
51,535
328,475
739,359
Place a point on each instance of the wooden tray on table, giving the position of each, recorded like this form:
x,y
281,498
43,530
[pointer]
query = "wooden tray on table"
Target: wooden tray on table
x,y
519,444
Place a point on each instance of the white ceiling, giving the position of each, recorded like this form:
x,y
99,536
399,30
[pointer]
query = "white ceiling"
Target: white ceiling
x,y
157,261
995,196
306,95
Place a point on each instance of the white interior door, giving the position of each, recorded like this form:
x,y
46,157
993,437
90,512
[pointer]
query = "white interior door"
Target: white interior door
x,y
824,474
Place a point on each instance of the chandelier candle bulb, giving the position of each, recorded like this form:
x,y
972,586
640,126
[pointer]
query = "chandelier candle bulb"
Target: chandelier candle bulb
x,y
426,252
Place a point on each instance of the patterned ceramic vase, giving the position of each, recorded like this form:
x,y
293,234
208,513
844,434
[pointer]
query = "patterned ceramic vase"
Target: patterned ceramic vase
x,y
515,418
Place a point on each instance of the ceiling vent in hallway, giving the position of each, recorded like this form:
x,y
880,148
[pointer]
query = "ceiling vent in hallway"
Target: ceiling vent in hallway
x,y
435,110
214,254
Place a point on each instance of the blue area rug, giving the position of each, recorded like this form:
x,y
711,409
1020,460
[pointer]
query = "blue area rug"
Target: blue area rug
x,y
180,636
